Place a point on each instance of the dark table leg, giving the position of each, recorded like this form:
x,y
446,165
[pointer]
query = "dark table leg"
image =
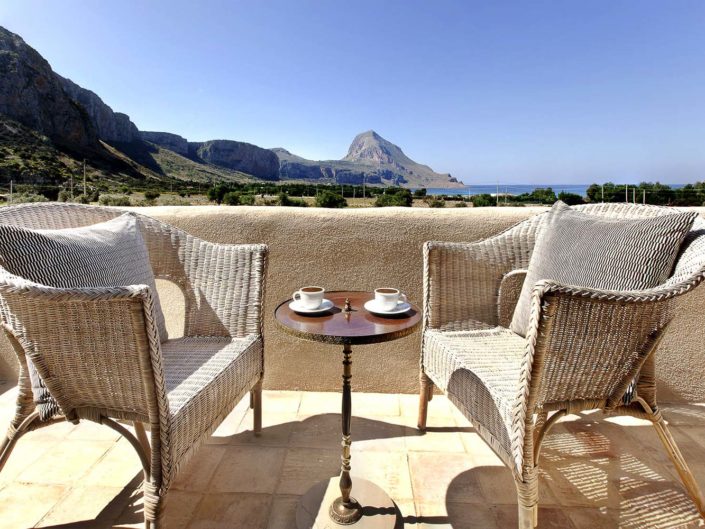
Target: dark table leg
x,y
346,510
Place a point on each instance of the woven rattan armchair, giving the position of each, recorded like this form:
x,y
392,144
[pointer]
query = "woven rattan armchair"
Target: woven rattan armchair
x,y
98,354
585,349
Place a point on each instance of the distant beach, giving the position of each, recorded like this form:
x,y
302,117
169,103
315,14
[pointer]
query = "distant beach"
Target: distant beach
x,y
515,189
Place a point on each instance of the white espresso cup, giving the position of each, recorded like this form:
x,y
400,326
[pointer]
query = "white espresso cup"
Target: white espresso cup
x,y
309,297
388,298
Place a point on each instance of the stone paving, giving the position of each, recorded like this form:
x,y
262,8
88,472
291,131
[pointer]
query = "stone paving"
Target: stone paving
x,y
598,472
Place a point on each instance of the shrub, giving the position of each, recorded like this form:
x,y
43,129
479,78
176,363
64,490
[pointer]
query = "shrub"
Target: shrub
x,y
286,200
94,196
436,203
247,200
461,205
64,196
231,198
394,197
484,200
218,192
328,199
151,195
420,193
173,200
114,200
82,199
572,199
22,198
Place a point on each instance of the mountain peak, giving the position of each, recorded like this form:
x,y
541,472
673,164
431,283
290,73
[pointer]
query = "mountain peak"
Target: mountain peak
x,y
369,146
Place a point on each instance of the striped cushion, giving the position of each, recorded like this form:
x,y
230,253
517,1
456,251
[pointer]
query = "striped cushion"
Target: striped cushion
x,y
108,254
583,250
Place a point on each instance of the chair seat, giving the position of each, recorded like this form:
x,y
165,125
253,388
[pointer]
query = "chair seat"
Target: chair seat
x,y
479,370
205,377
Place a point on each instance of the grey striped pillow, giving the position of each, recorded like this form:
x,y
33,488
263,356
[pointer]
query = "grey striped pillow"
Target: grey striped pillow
x,y
108,254
585,250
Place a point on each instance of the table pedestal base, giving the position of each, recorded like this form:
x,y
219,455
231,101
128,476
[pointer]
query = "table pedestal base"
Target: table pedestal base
x,y
378,509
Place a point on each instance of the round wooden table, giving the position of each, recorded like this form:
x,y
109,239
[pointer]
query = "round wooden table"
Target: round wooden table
x,y
371,506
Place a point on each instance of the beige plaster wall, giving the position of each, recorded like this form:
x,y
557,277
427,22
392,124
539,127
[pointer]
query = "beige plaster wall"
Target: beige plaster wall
x,y
367,248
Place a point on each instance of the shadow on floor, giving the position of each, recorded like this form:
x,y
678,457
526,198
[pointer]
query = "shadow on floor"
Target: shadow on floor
x,y
594,473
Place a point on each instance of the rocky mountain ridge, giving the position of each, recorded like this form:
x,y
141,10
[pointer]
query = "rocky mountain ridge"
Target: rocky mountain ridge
x,y
33,95
113,127
82,125
371,159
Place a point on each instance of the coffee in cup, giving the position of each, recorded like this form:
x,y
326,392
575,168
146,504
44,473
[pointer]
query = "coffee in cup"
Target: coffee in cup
x,y
388,298
309,297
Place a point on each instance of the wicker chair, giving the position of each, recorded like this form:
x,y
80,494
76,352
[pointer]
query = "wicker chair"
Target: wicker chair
x,y
585,349
111,365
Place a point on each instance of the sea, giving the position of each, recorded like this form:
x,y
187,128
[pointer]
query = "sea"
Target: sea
x,y
514,189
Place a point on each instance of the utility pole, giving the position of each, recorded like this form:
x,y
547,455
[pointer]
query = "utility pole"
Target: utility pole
x,y
497,193
84,178
626,193
603,192
644,200
634,195
10,191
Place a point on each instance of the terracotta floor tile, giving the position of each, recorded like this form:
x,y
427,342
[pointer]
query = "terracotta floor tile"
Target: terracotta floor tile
x,y
282,513
439,406
23,505
304,467
441,435
91,431
438,477
199,471
276,430
314,403
389,471
368,433
117,468
439,515
99,505
248,469
25,452
281,402
230,511
375,404
66,462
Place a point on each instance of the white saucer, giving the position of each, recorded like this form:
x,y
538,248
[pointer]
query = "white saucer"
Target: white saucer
x,y
401,308
296,306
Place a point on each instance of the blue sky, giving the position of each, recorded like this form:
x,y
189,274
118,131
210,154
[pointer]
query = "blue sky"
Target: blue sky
x,y
520,92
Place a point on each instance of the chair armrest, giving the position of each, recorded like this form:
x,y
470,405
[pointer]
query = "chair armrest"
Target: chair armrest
x,y
585,346
509,293
462,280
96,349
225,293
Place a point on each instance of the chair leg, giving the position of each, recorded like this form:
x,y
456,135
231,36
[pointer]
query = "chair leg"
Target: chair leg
x,y
527,494
691,485
256,405
425,393
13,435
142,438
152,505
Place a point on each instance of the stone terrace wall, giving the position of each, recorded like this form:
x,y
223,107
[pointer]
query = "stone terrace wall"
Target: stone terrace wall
x,y
368,248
